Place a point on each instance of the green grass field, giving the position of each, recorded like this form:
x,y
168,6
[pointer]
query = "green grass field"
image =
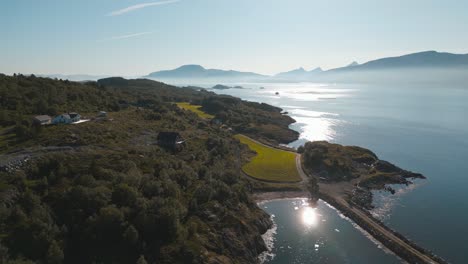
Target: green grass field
x,y
270,164
195,109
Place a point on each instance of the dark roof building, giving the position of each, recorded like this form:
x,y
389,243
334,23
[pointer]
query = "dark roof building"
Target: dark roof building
x,y
170,140
73,114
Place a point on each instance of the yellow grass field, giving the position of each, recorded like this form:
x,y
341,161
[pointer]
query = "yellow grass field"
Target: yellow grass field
x,y
195,109
270,164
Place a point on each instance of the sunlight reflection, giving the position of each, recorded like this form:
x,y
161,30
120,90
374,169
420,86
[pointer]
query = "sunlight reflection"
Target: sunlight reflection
x,y
309,216
313,129
315,125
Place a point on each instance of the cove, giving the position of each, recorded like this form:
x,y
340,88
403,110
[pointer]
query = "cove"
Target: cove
x,y
317,234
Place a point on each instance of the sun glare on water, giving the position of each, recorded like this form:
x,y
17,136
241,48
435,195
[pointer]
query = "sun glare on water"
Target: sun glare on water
x,y
309,216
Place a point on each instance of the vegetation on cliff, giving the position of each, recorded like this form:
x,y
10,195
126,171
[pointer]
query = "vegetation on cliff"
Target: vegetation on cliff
x,y
336,163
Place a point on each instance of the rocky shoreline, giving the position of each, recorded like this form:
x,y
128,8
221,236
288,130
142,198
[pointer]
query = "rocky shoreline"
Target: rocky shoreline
x,y
345,177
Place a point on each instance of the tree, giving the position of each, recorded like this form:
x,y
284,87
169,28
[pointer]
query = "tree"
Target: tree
x,y
124,195
55,253
41,106
131,235
22,132
141,260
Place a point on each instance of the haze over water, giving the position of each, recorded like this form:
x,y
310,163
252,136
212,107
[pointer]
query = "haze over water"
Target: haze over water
x,y
419,128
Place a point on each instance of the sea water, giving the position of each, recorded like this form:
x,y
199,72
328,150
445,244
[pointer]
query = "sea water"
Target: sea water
x,y
422,128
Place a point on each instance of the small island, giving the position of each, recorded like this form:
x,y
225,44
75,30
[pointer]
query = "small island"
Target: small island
x,y
225,87
221,87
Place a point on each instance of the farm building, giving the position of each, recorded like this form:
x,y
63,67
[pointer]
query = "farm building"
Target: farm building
x,y
42,120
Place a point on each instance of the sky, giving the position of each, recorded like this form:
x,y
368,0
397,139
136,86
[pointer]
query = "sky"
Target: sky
x,y
136,37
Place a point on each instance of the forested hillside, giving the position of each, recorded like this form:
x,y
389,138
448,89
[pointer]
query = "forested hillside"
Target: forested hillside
x,y
104,192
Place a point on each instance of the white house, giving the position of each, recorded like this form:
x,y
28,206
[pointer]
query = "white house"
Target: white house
x,y
62,119
66,118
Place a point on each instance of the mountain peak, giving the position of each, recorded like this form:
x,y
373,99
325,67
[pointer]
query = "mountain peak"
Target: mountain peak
x,y
354,63
191,67
298,70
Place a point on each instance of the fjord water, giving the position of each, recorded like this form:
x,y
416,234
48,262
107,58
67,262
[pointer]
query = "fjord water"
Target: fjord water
x,y
418,127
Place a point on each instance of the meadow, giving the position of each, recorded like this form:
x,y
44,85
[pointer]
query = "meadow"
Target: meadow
x,y
270,164
195,109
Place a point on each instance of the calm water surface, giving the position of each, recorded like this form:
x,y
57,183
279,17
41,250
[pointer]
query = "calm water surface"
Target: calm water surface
x,y
305,234
420,128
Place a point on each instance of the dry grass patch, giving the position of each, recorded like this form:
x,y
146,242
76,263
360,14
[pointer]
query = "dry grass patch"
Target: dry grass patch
x,y
195,109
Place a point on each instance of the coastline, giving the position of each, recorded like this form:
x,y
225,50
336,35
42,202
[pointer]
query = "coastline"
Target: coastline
x,y
335,194
375,230
268,237
264,197
387,237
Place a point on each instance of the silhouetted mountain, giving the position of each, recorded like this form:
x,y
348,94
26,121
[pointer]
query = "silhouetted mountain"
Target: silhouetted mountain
x,y
298,74
421,66
426,59
197,72
429,67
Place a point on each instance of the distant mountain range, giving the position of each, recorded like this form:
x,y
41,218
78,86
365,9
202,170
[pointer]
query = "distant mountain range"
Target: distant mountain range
x,y
426,66
380,68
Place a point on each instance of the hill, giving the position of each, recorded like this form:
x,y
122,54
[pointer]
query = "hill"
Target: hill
x,y
105,191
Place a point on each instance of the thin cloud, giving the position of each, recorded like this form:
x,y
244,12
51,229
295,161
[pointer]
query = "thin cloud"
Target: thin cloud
x,y
140,6
128,36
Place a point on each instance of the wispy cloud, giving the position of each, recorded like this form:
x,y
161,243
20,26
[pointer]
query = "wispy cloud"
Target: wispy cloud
x,y
140,6
127,36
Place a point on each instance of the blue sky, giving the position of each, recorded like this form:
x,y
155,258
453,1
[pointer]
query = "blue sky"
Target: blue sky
x,y
135,37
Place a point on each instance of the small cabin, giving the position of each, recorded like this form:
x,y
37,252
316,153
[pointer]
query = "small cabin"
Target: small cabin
x,y
42,120
62,119
171,140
